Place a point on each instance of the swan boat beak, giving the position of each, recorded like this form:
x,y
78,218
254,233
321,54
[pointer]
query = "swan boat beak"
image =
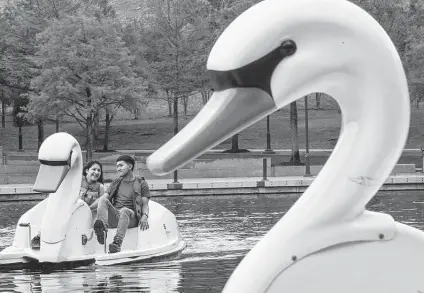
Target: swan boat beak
x,y
242,96
226,113
51,175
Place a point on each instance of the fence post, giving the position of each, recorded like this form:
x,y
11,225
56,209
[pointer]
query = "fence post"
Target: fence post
x,y
176,184
268,138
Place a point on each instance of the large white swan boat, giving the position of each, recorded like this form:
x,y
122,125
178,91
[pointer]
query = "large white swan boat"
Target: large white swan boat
x,y
273,54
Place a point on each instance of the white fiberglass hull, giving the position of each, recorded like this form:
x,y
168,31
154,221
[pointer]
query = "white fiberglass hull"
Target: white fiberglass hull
x,y
80,247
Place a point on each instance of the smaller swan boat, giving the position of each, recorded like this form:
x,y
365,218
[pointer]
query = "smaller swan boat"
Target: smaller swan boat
x,y
64,223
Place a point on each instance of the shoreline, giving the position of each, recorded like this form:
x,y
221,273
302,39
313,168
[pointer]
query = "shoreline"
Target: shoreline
x,y
223,187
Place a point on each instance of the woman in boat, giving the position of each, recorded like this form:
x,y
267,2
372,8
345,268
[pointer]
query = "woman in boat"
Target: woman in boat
x,y
92,184
91,190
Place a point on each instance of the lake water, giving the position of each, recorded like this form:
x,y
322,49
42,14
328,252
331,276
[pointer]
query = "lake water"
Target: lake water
x,y
219,232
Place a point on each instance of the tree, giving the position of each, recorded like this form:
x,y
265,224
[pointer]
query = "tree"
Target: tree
x,y
5,99
174,38
404,23
170,31
4,88
19,117
21,21
84,66
414,50
26,20
225,11
18,34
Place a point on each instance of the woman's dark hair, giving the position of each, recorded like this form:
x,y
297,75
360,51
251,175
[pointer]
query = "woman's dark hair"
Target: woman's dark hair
x,y
88,166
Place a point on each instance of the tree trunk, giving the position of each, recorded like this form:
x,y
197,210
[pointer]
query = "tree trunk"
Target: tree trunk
x,y
169,100
3,111
234,143
89,137
107,128
170,107
57,123
204,99
417,100
295,155
175,114
137,113
96,127
318,100
185,104
20,137
89,128
40,127
205,96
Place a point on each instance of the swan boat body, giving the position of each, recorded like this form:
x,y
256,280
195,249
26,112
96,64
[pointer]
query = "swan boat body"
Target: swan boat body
x,y
65,223
273,54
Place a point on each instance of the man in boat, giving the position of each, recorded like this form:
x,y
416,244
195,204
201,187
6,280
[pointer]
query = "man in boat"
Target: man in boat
x,y
124,204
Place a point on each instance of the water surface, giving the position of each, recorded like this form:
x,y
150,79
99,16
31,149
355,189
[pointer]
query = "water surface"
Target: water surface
x,y
219,232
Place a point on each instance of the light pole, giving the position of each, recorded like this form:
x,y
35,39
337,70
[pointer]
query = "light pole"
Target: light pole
x,y
307,164
268,138
175,184
176,132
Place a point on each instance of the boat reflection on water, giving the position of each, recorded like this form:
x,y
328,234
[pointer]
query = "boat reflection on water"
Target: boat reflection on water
x,y
148,278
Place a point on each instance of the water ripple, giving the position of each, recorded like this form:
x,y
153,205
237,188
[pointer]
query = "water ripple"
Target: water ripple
x,y
219,232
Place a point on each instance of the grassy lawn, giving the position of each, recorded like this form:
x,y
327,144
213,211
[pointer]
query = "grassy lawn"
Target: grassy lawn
x,y
324,127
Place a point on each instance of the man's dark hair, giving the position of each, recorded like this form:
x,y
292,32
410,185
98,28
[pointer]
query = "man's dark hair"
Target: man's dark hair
x,y
127,159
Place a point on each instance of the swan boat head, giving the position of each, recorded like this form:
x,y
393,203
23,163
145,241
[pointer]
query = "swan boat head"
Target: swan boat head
x,y
57,155
59,175
273,54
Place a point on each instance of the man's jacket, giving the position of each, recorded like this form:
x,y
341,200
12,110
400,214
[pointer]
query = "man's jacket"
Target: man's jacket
x,y
141,190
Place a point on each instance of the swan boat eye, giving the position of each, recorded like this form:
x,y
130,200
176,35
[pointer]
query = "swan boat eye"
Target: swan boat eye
x,y
256,74
288,48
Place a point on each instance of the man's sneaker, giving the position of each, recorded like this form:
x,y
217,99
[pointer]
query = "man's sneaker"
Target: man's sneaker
x,y
100,229
115,246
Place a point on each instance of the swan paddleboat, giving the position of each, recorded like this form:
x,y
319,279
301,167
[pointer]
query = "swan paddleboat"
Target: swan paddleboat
x,y
64,223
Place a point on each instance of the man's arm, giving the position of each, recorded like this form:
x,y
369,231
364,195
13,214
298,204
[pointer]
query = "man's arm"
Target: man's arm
x,y
143,223
145,207
145,195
